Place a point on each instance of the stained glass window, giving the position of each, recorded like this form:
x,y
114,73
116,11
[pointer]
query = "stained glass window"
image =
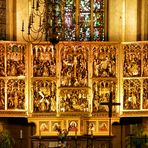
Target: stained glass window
x,y
98,17
82,20
69,20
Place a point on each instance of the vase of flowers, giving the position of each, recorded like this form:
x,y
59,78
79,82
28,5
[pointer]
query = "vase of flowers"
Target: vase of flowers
x,y
62,135
6,140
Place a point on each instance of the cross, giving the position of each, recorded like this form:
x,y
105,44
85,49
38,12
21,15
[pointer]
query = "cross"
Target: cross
x,y
110,104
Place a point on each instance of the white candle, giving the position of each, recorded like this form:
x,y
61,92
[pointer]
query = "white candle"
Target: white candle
x,y
21,134
75,132
39,134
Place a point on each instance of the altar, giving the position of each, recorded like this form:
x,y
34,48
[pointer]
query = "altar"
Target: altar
x,y
73,142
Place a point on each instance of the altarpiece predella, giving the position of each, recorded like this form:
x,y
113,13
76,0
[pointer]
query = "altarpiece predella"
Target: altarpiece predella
x,y
66,84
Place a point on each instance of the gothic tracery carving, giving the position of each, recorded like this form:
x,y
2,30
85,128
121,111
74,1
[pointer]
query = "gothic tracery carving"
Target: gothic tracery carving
x,y
2,94
15,59
44,96
2,60
131,94
101,93
73,100
44,61
16,94
145,94
132,60
74,66
145,60
104,61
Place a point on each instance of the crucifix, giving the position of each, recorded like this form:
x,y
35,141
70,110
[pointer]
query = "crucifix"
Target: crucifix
x,y
110,104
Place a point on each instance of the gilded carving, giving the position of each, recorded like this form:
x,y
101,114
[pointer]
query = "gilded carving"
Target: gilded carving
x,y
2,61
73,100
132,60
44,61
145,94
104,61
2,94
72,80
74,66
145,60
16,94
44,96
15,59
101,93
131,94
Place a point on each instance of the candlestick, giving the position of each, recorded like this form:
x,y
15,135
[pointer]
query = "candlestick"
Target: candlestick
x,y
21,134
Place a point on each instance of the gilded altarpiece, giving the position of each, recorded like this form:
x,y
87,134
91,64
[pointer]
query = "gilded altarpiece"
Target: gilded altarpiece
x,y
135,77
74,78
13,79
43,78
66,84
104,75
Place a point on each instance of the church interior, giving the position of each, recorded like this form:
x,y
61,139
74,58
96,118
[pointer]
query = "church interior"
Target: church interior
x,y
73,74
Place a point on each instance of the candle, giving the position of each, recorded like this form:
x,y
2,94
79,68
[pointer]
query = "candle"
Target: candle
x,y
91,133
75,132
39,134
33,4
37,5
40,24
23,25
21,134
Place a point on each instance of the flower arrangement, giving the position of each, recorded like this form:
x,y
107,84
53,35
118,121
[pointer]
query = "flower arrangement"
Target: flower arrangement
x,y
6,140
137,138
62,133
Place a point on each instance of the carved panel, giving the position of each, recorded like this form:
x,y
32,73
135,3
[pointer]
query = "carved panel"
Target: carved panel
x,y
74,66
16,94
145,60
145,94
15,54
2,94
73,100
44,61
104,61
2,60
101,93
44,96
132,91
132,60
12,65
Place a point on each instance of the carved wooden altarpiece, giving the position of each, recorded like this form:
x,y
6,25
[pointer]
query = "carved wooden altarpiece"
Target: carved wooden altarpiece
x,y
66,85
